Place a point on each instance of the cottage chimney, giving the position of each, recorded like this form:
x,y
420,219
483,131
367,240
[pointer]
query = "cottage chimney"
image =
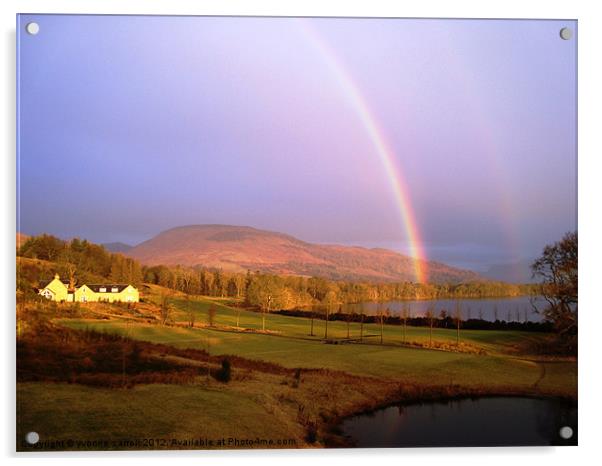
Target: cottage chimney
x,y
57,276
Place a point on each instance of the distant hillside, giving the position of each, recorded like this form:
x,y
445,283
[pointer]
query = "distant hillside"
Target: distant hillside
x,y
117,247
517,272
240,248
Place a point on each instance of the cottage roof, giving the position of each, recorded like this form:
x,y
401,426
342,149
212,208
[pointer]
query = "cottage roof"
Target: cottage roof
x,y
107,287
64,282
95,286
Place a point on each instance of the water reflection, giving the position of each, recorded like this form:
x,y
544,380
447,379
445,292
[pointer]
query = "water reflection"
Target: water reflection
x,y
518,309
496,421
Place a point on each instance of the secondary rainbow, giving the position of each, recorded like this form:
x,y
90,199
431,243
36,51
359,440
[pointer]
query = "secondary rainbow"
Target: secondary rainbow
x,y
386,155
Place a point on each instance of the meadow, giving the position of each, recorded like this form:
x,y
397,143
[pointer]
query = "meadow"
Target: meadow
x,y
337,377
485,357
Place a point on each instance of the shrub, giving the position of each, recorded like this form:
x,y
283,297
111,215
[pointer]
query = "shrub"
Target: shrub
x,y
225,373
297,378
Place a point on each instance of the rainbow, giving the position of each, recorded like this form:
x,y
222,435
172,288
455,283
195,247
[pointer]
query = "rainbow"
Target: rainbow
x,y
487,139
385,154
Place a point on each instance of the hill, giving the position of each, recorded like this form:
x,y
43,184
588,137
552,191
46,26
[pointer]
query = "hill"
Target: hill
x,y
516,272
240,248
117,247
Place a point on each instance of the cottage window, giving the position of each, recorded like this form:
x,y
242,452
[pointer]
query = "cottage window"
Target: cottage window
x,y
114,290
103,290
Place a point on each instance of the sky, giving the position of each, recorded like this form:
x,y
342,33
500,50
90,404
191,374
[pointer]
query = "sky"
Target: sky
x,y
347,131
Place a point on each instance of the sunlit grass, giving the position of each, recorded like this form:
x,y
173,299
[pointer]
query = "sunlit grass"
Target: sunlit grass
x,y
157,412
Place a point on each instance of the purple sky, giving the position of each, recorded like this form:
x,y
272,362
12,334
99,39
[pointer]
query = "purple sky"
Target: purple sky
x,y
133,125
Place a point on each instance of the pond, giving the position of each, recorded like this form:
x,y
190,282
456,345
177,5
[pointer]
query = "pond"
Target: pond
x,y
516,309
486,421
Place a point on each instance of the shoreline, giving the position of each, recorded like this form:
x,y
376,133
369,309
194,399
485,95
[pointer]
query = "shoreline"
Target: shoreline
x,y
336,439
328,432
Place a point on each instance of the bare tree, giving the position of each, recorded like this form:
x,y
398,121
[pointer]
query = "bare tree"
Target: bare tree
x,y
379,320
430,314
165,309
362,326
406,312
186,278
458,317
348,319
211,315
189,311
557,268
71,270
268,302
329,300
443,317
191,318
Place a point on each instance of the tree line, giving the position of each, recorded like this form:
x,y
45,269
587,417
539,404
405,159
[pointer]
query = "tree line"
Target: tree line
x,y
270,292
429,319
78,261
81,261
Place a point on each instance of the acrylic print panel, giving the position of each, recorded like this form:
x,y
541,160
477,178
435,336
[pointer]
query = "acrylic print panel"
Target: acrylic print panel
x,y
295,232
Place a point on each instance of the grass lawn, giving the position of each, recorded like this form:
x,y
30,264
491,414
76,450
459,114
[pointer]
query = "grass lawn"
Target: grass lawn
x,y
59,412
256,404
413,365
489,340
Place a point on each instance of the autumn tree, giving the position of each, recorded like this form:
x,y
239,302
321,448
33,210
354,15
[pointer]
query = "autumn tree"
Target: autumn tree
x,y
557,271
430,315
165,309
211,315
458,319
189,311
362,313
45,247
406,314
68,262
261,293
330,299
347,319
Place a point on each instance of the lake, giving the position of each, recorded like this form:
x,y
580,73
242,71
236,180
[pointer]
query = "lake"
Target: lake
x,y
487,421
517,309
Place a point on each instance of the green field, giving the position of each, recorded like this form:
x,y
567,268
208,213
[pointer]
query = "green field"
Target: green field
x,y
488,340
159,413
276,406
290,345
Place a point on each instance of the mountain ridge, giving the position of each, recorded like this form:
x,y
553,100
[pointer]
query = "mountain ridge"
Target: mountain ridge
x,y
240,248
117,246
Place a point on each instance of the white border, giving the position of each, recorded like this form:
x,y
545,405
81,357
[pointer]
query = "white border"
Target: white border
x,y
590,153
